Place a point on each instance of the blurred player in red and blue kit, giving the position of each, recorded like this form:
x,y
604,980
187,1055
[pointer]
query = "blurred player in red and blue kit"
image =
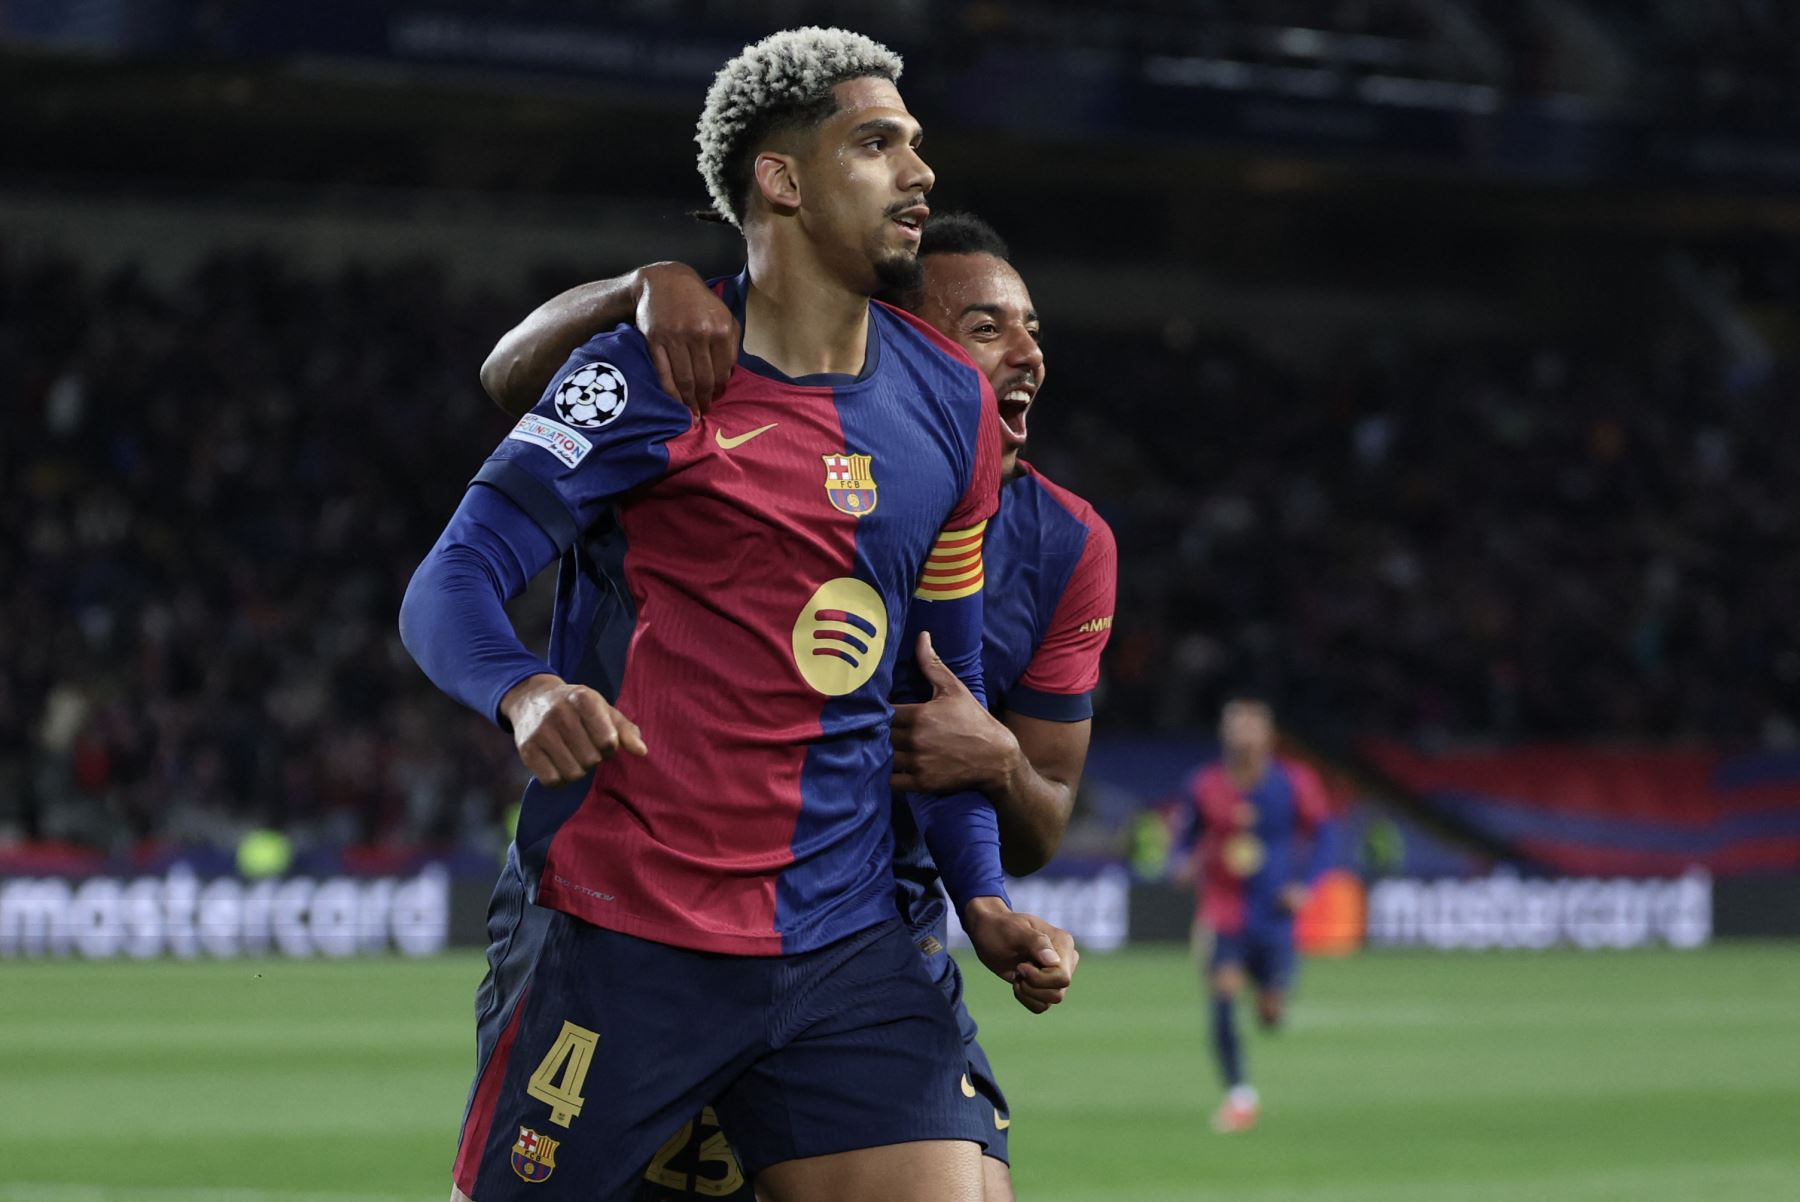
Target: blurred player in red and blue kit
x,y
1051,579
1246,821
713,857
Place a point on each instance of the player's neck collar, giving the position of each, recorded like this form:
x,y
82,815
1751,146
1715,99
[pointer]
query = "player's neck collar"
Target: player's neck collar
x,y
733,294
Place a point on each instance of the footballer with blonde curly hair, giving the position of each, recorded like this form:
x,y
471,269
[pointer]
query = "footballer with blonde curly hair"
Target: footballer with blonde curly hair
x,y
1048,614
714,918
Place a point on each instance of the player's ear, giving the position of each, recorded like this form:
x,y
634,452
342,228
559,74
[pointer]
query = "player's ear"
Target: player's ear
x,y
777,178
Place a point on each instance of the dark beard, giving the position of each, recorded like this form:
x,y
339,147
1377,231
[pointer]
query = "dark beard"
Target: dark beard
x,y
900,280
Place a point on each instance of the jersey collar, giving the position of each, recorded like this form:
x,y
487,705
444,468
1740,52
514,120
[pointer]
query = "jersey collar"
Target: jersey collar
x,y
732,293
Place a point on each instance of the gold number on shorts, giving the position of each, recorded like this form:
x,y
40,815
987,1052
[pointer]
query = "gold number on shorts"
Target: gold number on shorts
x,y
715,1149
568,1057
659,1171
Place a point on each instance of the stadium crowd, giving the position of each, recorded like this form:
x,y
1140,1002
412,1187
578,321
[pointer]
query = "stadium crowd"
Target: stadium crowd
x,y
217,492
1521,543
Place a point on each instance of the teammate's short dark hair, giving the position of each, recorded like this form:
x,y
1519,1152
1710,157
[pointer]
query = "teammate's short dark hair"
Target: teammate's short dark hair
x,y
962,234
781,83
946,234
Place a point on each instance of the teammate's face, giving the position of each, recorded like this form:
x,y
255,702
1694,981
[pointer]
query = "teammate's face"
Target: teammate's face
x,y
983,304
1247,732
863,187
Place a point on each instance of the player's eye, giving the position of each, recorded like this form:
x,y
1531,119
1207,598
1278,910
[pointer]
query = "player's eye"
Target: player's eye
x,y
1037,335
986,327
876,143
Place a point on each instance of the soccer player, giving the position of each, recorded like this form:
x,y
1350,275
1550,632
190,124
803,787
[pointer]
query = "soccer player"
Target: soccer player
x,y
1247,814
1048,608
719,862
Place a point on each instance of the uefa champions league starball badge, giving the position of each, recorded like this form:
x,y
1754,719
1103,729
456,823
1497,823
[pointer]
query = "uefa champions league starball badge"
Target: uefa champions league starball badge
x,y
592,396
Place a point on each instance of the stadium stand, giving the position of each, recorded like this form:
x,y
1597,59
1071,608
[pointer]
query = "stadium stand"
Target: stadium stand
x,y
217,498
223,487
1472,541
1524,535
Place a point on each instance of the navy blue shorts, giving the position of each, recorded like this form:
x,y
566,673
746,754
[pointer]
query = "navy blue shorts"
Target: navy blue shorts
x,y
988,1103
1266,954
597,1047
697,1163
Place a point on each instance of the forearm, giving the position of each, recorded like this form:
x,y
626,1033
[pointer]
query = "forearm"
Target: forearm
x,y
453,619
962,833
527,356
1033,811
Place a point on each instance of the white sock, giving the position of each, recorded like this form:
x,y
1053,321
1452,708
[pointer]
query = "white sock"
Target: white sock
x,y
1243,1096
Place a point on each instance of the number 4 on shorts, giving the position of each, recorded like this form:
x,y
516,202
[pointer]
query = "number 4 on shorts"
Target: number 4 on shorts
x,y
568,1058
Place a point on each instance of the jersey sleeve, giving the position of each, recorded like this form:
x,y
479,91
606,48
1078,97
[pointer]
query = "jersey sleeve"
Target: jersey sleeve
x,y
947,598
961,830
1190,821
982,497
1311,802
599,431
1312,805
1058,683
453,618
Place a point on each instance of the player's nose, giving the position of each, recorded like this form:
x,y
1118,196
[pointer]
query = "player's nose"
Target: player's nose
x,y
916,174
1025,351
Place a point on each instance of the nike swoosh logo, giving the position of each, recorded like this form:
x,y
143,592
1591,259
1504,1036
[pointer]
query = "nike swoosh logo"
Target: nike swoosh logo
x,y
1001,1124
726,444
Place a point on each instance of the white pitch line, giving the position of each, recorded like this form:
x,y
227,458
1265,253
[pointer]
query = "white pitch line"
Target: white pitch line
x,y
75,1192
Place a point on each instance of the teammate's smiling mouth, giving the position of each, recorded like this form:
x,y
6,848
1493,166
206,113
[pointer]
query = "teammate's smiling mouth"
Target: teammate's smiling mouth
x,y
1015,401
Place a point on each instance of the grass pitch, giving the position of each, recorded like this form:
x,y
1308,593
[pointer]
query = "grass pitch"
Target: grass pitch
x,y
1503,1077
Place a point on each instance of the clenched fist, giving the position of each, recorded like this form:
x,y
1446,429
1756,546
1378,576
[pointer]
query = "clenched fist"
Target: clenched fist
x,y
1036,958
564,730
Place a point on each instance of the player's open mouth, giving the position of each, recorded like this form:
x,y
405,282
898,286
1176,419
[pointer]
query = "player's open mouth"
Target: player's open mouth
x,y
912,221
1013,405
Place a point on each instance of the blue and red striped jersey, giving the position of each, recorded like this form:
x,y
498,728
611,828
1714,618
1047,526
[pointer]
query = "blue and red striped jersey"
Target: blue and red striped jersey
x,y
737,586
1047,612
1248,840
1052,569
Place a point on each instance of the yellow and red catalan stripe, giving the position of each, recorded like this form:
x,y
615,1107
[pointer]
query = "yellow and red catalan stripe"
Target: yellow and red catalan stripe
x,y
953,569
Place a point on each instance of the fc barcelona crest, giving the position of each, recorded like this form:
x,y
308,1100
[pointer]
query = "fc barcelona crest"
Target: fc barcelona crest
x,y
534,1155
849,483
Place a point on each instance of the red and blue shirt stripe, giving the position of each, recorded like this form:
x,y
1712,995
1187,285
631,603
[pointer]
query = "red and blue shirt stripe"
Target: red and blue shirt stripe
x,y
746,618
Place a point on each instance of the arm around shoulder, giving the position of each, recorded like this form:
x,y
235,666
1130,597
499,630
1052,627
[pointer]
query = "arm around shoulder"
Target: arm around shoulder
x,y
692,336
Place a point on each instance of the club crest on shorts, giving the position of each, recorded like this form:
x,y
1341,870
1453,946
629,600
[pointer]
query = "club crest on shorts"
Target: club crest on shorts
x,y
534,1155
850,483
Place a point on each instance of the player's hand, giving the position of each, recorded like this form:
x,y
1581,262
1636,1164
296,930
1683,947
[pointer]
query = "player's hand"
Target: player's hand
x,y
693,337
950,742
1039,989
1293,898
1036,958
564,730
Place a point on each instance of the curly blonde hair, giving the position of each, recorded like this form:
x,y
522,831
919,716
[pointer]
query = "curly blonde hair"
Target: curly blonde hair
x,y
783,81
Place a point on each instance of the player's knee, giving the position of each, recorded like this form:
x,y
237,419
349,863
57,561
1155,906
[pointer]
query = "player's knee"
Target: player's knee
x,y
996,1181
457,1195
1227,981
1271,1008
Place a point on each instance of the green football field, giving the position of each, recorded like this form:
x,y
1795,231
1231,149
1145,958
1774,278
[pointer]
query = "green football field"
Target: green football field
x,y
1510,1077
